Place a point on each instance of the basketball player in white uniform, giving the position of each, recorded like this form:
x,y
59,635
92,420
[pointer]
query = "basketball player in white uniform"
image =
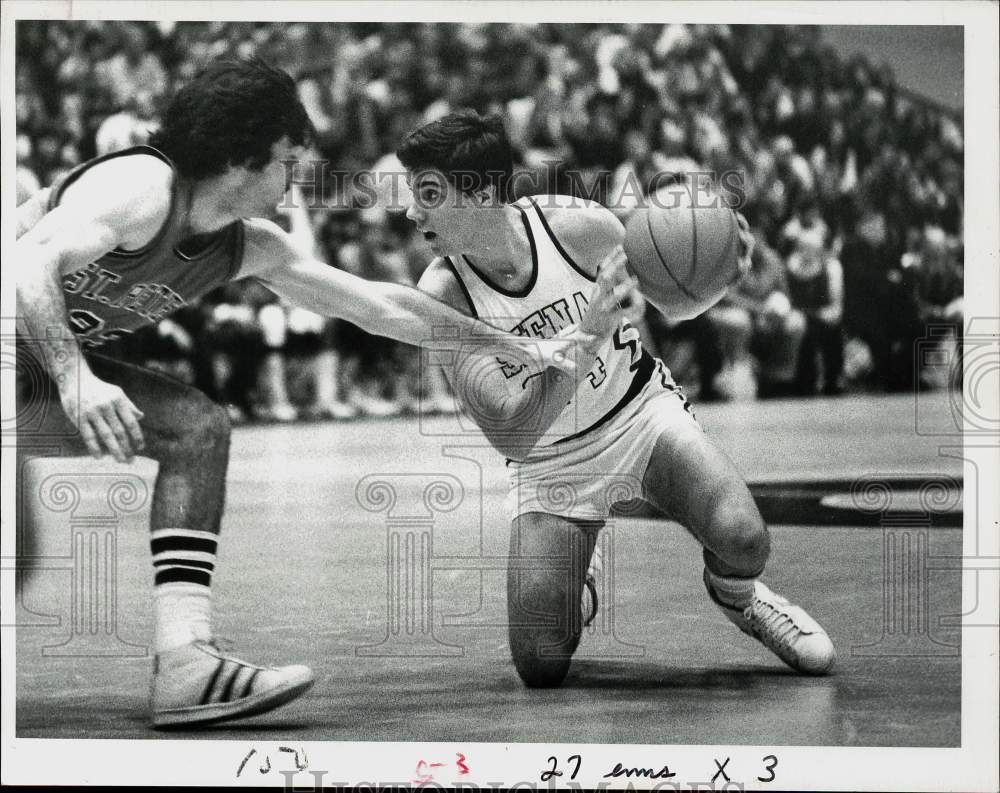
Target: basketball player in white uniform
x,y
526,267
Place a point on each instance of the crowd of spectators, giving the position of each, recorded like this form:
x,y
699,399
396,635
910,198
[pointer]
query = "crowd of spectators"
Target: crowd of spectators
x,y
852,185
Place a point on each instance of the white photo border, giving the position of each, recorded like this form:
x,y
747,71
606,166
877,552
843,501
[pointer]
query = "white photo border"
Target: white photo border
x,y
973,766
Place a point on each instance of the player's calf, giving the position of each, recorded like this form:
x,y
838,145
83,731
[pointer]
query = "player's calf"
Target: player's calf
x,y
190,441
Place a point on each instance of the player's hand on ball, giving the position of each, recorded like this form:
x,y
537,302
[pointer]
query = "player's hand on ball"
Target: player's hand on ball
x,y
615,295
747,242
626,286
107,419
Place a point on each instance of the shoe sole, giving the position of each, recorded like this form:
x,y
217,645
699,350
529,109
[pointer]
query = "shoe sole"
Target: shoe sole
x,y
201,715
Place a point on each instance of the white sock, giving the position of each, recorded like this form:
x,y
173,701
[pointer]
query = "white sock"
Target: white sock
x,y
732,590
183,614
183,560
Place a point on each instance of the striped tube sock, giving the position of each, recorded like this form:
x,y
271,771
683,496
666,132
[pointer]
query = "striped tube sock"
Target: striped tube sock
x,y
183,561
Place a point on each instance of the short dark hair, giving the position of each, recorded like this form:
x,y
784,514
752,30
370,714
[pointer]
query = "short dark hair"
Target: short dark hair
x,y
472,151
231,113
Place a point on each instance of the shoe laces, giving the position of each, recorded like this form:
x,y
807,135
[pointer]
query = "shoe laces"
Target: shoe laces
x,y
774,626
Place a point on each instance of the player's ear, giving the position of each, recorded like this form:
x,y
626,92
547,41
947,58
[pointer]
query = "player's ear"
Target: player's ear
x,y
485,196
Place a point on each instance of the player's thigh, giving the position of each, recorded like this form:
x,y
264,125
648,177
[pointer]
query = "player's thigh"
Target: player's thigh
x,y
548,561
171,409
691,479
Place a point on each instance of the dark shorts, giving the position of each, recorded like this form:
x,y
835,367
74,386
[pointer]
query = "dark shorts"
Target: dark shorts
x,y
43,429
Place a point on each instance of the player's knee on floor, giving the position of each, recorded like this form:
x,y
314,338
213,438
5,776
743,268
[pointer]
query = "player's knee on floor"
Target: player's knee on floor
x,y
540,660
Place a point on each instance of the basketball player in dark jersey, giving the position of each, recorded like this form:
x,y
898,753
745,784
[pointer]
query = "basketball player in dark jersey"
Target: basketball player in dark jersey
x,y
126,239
526,266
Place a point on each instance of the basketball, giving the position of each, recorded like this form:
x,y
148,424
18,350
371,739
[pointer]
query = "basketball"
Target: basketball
x,y
684,257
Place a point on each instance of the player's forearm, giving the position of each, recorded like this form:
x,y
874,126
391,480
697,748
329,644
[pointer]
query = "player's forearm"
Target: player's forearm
x,y
408,315
516,414
42,308
519,424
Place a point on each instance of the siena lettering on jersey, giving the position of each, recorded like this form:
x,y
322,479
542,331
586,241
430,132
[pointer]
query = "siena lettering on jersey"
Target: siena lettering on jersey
x,y
547,321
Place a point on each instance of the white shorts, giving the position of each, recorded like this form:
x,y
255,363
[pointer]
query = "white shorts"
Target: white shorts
x,y
583,477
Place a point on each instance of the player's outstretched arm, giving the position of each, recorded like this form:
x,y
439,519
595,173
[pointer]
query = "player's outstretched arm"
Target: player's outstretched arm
x,y
392,310
98,216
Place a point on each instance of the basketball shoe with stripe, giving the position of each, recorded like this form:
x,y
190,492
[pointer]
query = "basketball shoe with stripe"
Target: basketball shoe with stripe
x,y
198,684
784,628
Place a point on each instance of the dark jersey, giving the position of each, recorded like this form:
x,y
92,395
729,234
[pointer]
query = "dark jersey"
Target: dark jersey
x,y
124,290
809,292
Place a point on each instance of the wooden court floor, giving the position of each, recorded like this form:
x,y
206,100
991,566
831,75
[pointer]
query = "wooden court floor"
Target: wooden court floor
x,y
415,649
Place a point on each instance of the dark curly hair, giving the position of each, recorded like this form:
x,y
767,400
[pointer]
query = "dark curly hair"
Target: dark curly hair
x,y
472,151
231,113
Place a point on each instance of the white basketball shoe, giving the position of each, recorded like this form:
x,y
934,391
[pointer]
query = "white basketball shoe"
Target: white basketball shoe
x,y
784,628
197,684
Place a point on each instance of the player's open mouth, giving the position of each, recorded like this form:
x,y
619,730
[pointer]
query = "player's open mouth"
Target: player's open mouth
x,y
430,235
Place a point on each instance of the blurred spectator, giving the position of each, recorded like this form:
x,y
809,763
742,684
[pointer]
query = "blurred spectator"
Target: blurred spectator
x,y
313,366
274,402
131,68
231,347
879,308
816,289
758,312
129,127
935,270
938,276
639,174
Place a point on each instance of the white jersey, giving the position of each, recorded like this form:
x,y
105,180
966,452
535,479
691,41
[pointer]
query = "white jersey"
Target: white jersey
x,y
556,297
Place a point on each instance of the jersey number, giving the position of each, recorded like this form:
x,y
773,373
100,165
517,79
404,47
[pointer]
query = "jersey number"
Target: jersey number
x,y
627,338
598,374
88,326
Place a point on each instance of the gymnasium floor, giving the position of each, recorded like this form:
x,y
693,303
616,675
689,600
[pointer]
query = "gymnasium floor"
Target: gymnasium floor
x,y
303,578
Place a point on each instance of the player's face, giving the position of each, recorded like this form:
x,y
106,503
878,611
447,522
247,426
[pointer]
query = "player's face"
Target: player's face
x,y
262,190
446,217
